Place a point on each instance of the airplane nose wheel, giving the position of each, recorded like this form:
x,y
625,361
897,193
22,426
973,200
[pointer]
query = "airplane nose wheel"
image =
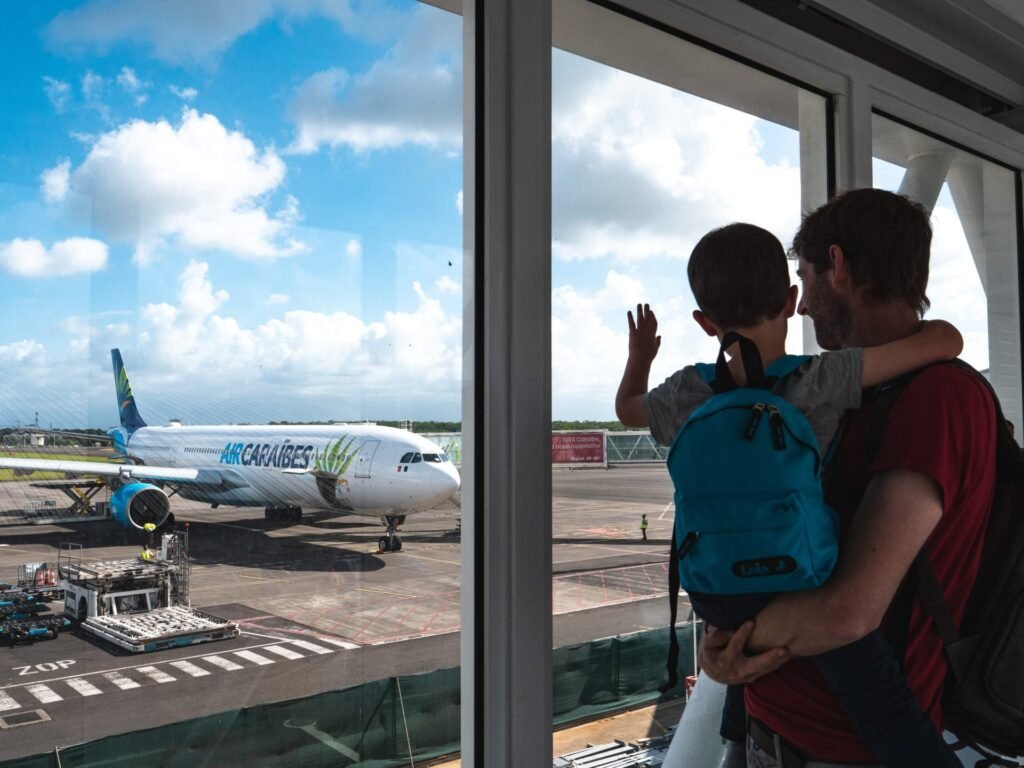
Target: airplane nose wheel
x,y
391,542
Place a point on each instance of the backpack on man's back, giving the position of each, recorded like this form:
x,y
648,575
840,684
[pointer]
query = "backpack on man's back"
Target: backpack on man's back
x,y
983,694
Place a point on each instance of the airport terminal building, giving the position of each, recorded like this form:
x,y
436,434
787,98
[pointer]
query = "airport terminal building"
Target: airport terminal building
x,y
415,214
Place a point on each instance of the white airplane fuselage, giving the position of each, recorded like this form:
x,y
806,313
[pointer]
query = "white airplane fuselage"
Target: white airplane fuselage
x,y
359,469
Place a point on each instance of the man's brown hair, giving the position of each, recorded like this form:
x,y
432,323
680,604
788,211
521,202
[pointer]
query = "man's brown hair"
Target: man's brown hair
x,y
886,241
739,275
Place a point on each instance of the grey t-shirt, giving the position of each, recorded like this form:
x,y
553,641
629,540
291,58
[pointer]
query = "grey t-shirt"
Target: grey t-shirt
x,y
823,388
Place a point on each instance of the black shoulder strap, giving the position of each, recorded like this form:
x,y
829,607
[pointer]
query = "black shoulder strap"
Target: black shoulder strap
x,y
675,555
753,367
921,580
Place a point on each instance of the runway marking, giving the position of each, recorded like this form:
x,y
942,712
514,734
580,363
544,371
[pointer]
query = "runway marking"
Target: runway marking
x,y
433,559
239,527
340,643
385,592
255,658
156,674
122,682
311,646
84,687
261,578
44,693
668,506
191,669
288,654
220,661
7,703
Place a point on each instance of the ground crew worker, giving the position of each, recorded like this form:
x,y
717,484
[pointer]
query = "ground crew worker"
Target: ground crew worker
x,y
147,553
643,526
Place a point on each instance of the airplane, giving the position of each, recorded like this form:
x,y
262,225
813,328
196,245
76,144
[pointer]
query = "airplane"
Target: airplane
x,y
358,469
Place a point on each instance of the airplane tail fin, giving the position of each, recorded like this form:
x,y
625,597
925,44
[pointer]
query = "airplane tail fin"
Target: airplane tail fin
x,y
130,418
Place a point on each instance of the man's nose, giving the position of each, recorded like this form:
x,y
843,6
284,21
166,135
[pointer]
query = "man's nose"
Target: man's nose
x,y
801,307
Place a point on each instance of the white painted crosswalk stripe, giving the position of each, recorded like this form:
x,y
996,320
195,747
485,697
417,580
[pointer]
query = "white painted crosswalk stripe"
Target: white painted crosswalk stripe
x,y
84,687
7,703
190,669
122,682
156,674
340,643
288,654
255,658
220,661
310,646
44,693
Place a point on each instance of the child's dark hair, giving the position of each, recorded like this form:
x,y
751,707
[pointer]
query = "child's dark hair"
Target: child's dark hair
x,y
739,275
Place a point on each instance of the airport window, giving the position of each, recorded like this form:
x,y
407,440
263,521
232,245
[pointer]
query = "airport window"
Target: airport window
x,y
973,280
221,239
655,142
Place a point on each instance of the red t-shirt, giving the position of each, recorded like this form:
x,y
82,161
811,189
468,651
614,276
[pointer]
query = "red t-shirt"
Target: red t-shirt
x,y
942,426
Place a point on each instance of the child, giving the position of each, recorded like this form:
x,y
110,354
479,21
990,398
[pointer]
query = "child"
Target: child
x,y
740,279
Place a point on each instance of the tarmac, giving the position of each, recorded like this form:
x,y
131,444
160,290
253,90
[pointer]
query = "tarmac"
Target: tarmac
x,y
320,608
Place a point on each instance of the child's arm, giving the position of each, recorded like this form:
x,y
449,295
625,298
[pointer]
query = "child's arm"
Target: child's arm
x,y
936,341
643,348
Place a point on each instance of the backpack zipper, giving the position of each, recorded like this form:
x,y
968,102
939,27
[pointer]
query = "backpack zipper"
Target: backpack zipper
x,y
756,412
778,427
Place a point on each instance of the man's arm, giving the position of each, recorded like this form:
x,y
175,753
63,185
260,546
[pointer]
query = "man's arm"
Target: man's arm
x,y
897,514
644,343
936,341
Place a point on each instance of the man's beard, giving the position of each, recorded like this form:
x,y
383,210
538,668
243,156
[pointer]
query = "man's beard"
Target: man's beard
x,y
832,318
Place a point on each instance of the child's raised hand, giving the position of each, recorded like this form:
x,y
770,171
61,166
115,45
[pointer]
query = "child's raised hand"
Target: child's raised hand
x,y
644,340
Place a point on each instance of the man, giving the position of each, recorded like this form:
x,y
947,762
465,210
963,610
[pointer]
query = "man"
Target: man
x,y
863,260
643,526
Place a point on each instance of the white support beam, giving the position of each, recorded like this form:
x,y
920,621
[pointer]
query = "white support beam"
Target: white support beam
x,y
924,176
506,549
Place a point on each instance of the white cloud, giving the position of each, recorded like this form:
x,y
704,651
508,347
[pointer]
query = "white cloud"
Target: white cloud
x,y
131,84
198,30
304,352
640,169
185,94
55,181
93,90
446,284
30,258
413,95
197,183
354,248
58,92
22,351
458,202
278,298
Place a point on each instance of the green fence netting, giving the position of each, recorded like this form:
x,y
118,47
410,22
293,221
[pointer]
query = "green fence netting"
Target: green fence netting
x,y
378,724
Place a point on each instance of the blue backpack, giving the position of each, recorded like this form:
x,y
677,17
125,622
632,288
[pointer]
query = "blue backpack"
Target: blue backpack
x,y
750,513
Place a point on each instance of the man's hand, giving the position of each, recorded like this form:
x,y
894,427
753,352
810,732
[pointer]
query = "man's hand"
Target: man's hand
x,y
644,340
723,660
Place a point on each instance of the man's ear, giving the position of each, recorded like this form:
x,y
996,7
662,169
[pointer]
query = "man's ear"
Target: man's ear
x,y
705,322
792,297
839,276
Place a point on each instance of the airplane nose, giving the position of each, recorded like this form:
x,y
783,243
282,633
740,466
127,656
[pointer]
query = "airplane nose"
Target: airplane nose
x,y
446,482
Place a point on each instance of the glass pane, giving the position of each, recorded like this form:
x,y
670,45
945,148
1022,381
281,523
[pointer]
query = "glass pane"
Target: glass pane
x,y
257,209
973,271
655,142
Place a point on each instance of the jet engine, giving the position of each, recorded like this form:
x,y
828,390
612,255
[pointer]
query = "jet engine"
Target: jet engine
x,y
136,504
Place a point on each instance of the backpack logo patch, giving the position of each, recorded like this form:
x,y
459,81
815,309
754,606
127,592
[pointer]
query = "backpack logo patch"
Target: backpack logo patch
x,y
764,566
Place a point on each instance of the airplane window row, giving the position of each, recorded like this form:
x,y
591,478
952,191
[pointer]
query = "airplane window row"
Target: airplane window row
x,y
416,458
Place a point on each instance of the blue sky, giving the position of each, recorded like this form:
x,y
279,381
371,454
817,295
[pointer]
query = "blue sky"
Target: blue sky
x,y
260,204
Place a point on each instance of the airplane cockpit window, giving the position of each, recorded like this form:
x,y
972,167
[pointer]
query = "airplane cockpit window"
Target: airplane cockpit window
x,y
417,458
406,458
433,458
444,458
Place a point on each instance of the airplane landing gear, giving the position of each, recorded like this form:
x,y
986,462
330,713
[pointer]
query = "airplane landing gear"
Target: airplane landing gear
x,y
294,514
390,542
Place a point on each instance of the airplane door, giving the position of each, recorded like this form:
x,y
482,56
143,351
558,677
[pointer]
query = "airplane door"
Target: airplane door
x,y
365,458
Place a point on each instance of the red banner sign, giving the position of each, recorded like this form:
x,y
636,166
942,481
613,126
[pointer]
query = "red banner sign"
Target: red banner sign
x,y
577,448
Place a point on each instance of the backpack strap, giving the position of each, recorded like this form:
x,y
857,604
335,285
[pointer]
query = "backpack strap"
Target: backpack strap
x,y
921,580
675,555
752,365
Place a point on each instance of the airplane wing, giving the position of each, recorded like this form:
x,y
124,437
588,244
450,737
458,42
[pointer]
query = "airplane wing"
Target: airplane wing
x,y
126,472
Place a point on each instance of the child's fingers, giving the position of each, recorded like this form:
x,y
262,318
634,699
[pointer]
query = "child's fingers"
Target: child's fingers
x,y
632,325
